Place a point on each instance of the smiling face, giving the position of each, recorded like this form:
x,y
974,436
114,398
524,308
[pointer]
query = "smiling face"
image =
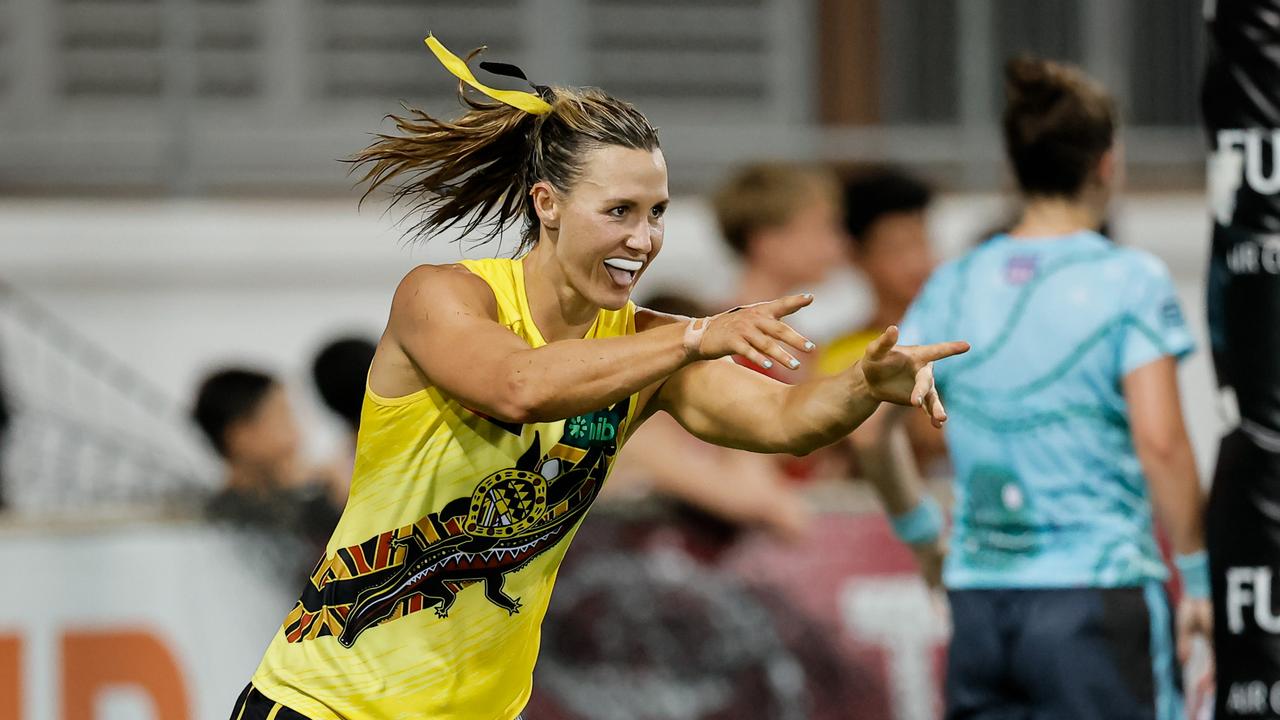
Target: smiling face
x,y
608,227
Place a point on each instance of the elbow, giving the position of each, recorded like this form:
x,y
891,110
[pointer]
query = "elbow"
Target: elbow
x,y
803,444
1160,451
522,402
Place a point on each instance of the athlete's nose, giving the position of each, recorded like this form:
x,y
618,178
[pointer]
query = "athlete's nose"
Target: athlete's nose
x,y
638,240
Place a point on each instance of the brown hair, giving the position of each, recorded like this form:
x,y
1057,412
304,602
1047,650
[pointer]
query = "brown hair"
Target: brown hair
x,y
477,170
1057,125
764,195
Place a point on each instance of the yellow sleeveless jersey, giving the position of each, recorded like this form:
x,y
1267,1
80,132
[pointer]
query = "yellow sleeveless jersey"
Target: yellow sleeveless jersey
x,y
429,601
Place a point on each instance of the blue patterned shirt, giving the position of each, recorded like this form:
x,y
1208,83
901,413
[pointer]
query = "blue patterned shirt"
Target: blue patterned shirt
x,y
1049,491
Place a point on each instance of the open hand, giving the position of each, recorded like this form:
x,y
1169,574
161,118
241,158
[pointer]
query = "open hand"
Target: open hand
x,y
903,374
755,332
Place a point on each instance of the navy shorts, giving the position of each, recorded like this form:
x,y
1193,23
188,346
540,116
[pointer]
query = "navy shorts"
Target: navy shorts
x,y
1062,654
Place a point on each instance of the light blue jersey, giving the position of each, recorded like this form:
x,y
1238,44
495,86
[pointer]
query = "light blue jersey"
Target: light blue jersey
x,y
1049,491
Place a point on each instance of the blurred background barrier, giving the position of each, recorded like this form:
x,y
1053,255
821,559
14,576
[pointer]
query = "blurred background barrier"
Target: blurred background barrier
x,y
261,95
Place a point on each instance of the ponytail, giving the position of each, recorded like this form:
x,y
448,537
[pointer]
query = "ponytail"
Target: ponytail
x,y
477,171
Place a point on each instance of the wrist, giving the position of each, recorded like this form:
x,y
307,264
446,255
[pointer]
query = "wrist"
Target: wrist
x,y
921,524
691,340
859,387
1193,568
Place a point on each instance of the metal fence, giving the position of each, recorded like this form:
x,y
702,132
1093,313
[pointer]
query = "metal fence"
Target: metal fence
x,y
193,96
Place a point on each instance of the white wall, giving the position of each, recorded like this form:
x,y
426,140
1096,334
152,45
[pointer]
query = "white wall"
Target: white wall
x,y
173,288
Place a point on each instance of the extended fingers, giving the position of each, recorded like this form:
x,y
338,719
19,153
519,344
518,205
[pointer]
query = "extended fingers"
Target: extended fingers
x,y
878,348
924,384
787,304
925,396
933,406
784,333
938,351
747,349
771,348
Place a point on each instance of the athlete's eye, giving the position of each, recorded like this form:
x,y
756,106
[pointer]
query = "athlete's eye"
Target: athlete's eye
x,y
618,211
658,211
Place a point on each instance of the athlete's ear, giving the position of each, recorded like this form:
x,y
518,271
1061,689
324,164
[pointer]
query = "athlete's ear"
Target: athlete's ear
x,y
546,202
1109,166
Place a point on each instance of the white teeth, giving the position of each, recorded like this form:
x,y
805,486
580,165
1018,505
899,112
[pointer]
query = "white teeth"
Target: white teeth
x,y
624,264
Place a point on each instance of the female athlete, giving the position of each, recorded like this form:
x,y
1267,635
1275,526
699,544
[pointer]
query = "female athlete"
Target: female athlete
x,y
498,398
1068,429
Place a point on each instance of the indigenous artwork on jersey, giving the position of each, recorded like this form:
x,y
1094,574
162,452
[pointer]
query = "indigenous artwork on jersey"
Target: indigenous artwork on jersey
x,y
513,516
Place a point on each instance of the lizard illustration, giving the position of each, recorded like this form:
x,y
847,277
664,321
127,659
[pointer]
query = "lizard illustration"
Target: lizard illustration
x,y
513,516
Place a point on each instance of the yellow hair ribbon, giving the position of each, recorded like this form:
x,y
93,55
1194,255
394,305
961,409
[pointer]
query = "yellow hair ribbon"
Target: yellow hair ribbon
x,y
520,99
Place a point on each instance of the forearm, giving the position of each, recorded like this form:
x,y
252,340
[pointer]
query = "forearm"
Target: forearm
x,y
1177,497
821,411
885,456
568,378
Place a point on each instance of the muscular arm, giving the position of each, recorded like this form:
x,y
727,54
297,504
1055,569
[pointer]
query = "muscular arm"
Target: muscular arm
x,y
444,322
1160,439
729,405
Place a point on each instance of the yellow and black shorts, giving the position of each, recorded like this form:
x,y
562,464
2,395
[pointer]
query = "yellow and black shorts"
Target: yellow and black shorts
x,y
253,705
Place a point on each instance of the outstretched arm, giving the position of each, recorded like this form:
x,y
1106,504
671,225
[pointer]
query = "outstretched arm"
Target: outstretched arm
x,y
443,332
1160,439
729,405
886,458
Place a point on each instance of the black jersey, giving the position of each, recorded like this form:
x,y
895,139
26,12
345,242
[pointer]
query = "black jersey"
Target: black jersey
x,y
1241,103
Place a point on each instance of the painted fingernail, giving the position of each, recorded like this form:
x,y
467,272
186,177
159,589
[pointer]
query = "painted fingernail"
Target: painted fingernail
x,y
808,346
794,363
768,364
807,294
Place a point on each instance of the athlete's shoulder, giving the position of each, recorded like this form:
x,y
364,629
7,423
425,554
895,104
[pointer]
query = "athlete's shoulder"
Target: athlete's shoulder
x,y
428,288
1139,264
946,274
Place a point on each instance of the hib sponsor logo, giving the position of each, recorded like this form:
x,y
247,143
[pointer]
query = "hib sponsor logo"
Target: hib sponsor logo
x,y
1249,596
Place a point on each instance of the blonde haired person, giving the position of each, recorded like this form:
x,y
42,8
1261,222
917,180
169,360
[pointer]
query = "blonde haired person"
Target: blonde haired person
x,y
782,220
499,395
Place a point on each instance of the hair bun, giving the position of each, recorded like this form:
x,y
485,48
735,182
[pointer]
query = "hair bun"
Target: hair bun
x,y
1033,81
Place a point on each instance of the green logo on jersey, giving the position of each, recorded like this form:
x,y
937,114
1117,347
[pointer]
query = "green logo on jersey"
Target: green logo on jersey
x,y
592,428
1000,527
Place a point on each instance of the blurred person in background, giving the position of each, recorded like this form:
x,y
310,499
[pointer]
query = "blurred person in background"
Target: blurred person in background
x,y
885,213
500,394
743,490
1066,431
340,371
885,223
783,222
246,416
